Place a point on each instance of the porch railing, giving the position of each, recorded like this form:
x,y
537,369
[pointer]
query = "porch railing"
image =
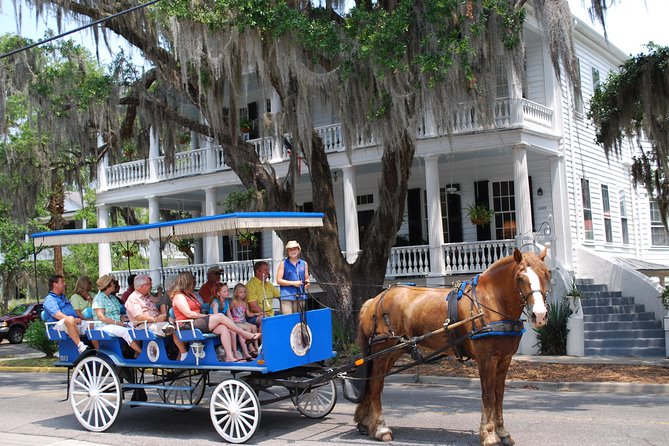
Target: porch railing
x,y
465,119
475,257
404,261
408,261
232,272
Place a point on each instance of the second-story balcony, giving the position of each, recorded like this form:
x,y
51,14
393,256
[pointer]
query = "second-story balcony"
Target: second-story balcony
x,y
509,113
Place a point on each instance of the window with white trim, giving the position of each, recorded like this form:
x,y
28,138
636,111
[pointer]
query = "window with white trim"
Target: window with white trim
x,y
587,210
576,91
606,211
504,209
623,217
659,234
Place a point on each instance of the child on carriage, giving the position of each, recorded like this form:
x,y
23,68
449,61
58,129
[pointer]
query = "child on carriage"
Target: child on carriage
x,y
240,311
220,303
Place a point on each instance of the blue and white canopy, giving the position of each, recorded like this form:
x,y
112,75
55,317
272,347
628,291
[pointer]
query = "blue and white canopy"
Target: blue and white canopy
x,y
200,226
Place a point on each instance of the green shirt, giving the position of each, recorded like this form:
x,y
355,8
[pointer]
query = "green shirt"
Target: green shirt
x,y
79,302
110,304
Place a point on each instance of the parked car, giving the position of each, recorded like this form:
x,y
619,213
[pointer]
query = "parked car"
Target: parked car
x,y
13,325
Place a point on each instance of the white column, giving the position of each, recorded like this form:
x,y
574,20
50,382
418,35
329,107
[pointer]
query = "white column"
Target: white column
x,y
277,144
154,153
155,254
103,182
197,249
104,249
350,215
277,254
522,191
434,224
211,251
560,226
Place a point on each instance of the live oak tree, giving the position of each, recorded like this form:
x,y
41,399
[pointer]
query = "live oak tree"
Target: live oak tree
x,y
382,66
634,103
54,99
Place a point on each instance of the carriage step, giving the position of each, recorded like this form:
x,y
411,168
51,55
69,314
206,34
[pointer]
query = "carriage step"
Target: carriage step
x,y
156,404
156,387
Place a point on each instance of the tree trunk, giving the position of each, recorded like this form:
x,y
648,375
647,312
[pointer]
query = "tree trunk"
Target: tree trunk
x,y
56,208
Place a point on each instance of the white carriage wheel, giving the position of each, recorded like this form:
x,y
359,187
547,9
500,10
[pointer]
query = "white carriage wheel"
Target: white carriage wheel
x,y
194,396
95,394
234,410
317,401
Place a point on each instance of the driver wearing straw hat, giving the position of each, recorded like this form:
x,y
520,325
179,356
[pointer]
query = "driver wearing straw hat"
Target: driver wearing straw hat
x,y
293,277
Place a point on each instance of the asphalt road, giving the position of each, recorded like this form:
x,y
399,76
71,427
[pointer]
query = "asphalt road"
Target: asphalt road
x,y
32,413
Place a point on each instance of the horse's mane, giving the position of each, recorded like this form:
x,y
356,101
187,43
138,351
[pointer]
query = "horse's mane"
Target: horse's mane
x,y
531,260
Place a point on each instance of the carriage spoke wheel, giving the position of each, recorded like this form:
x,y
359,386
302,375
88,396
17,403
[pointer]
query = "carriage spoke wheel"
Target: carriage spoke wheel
x,y
317,401
234,410
95,394
172,396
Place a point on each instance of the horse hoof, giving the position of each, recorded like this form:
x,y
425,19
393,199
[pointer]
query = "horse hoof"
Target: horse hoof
x,y
507,441
363,429
384,434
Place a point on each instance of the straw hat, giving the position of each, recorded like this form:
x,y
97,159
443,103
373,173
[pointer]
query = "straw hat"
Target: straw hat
x,y
104,281
293,244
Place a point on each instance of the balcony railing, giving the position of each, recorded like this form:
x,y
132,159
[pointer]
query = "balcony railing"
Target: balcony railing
x,y
475,257
508,112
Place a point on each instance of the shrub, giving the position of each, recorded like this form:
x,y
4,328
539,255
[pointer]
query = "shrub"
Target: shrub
x,y
553,336
36,337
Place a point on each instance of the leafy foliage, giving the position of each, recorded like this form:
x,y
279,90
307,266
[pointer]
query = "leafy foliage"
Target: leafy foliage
x,y
35,336
634,103
552,337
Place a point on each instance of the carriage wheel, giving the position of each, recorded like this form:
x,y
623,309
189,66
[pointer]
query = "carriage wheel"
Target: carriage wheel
x,y
234,410
194,396
95,394
317,401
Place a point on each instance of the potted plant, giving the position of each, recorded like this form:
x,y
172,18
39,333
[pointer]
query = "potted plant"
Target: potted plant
x,y
248,239
665,298
479,214
573,297
245,124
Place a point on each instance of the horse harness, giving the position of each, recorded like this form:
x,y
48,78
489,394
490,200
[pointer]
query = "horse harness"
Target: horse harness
x,y
455,337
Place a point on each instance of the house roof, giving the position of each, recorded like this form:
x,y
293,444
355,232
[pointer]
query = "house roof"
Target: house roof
x,y
643,266
208,225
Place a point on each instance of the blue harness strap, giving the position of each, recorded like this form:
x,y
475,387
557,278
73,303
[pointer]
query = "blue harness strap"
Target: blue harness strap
x,y
500,328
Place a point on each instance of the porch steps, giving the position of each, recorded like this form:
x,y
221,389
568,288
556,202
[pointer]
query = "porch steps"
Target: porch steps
x,y
615,326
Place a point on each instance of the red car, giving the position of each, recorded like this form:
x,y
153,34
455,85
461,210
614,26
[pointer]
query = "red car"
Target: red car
x,y
14,323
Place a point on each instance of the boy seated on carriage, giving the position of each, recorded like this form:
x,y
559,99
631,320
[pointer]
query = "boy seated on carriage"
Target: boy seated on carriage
x,y
58,309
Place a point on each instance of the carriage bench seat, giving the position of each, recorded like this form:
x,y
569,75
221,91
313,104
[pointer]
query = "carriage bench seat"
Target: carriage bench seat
x,y
187,332
141,332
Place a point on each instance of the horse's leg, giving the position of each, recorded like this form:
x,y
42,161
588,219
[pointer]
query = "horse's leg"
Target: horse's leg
x,y
488,375
369,414
502,433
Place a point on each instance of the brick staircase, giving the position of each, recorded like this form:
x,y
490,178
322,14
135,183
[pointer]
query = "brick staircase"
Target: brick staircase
x,y
615,326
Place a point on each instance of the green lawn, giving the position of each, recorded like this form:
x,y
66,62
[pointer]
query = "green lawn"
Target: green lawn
x,y
29,362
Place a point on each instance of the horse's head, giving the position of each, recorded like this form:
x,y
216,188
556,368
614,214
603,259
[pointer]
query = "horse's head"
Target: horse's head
x,y
532,279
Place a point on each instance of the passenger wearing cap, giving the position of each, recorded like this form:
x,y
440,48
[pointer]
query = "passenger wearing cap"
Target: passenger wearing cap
x,y
293,278
107,309
208,289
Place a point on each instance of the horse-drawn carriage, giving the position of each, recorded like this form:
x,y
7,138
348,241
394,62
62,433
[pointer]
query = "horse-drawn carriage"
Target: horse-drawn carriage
x,y
479,319
293,350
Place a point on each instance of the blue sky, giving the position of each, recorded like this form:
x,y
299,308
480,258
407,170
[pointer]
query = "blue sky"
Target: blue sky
x,y
630,24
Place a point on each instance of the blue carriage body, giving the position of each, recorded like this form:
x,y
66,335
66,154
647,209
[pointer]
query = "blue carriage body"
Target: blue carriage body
x,y
282,346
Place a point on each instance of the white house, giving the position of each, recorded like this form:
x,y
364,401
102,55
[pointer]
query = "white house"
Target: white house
x,y
539,170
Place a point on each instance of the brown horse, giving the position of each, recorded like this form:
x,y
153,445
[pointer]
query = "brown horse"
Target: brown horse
x,y
507,287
